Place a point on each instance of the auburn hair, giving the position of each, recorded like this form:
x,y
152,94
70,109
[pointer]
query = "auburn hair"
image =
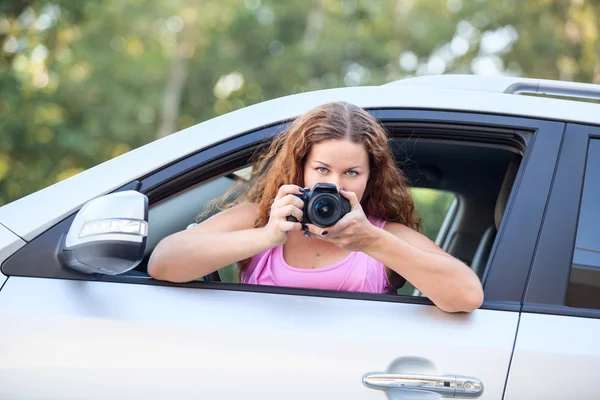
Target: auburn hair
x,y
387,193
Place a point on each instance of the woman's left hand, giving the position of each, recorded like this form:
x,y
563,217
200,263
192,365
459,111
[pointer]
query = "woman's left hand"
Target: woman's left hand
x,y
353,232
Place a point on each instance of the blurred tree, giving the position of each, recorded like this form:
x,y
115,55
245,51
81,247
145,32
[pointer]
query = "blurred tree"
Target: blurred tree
x,y
82,82
432,206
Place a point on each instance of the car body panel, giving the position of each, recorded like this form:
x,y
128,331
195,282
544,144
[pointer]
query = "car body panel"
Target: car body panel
x,y
552,266
9,243
98,340
33,214
557,353
555,357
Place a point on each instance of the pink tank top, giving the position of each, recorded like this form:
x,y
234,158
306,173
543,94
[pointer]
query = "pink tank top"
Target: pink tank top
x,y
357,272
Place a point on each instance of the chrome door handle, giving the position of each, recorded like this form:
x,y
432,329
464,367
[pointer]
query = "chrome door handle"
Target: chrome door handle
x,y
445,385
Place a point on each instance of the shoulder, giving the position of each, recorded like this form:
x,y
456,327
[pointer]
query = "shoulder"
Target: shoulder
x,y
238,217
245,211
400,230
412,236
249,209
378,222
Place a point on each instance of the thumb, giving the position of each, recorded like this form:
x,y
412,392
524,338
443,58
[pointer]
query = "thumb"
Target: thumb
x,y
352,198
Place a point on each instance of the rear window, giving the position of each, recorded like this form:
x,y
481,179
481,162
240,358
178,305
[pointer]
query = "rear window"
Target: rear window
x,y
584,281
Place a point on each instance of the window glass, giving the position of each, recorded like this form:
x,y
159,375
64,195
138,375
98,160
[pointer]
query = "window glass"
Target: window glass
x,y
432,206
244,173
584,281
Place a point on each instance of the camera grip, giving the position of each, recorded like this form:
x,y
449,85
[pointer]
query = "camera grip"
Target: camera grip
x,y
291,218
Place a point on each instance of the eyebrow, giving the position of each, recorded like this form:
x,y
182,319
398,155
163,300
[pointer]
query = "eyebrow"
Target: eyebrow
x,y
329,166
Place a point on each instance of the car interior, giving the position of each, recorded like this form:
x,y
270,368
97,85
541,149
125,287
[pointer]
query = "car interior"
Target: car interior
x,y
480,175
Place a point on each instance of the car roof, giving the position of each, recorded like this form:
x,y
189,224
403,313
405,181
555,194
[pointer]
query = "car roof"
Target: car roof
x,y
33,214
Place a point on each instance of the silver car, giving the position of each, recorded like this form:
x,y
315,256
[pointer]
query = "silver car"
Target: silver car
x,y
519,176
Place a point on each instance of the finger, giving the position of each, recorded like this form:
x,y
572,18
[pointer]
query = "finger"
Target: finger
x,y
315,230
287,189
352,198
291,199
343,224
328,231
286,211
340,227
287,226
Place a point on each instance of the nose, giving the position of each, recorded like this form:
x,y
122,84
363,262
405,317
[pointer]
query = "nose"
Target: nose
x,y
334,180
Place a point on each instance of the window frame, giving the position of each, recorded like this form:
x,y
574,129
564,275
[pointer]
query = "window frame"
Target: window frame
x,y
540,144
551,270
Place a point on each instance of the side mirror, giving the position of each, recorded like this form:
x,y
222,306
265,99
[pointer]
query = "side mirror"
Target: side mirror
x,y
108,235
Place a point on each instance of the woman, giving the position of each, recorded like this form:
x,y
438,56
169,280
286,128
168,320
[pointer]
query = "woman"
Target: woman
x,y
373,248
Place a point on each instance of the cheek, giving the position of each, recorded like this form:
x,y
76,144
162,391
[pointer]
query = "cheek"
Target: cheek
x,y
310,178
358,186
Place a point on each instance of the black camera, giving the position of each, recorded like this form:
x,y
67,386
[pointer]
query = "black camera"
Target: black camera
x,y
323,206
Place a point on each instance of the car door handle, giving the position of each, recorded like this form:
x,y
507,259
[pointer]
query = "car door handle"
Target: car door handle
x,y
446,385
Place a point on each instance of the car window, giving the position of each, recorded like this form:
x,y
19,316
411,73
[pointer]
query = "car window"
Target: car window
x,y
584,281
244,173
431,205
459,190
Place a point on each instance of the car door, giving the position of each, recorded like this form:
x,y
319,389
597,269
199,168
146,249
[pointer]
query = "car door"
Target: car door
x,y
67,335
557,352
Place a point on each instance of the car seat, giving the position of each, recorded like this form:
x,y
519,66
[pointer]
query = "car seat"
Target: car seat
x,y
482,253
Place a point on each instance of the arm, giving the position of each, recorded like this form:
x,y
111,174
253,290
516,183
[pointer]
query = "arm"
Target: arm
x,y
207,247
225,238
449,283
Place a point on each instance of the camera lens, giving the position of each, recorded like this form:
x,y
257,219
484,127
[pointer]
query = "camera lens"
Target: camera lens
x,y
324,209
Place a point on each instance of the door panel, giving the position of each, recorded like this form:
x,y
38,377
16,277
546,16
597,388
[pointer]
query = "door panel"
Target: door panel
x,y
556,357
78,339
557,352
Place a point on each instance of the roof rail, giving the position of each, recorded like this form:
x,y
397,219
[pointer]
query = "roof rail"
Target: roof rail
x,y
505,84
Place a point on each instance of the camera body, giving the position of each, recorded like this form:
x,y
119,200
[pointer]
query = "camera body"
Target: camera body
x,y
323,206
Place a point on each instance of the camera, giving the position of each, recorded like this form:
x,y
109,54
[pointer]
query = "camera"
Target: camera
x,y
323,206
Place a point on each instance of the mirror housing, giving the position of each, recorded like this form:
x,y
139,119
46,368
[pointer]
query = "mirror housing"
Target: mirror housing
x,y
108,235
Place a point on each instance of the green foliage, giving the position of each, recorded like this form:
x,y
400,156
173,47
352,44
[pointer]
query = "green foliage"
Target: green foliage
x,y
84,81
432,206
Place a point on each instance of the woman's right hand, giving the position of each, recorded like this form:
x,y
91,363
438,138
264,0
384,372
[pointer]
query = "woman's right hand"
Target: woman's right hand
x,y
284,205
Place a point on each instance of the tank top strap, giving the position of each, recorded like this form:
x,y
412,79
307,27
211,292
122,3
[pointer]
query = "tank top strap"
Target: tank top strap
x,y
378,222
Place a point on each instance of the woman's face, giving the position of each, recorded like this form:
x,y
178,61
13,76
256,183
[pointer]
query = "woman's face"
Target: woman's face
x,y
341,162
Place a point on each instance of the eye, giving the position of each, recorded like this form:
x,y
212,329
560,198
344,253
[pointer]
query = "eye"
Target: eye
x,y
322,170
352,173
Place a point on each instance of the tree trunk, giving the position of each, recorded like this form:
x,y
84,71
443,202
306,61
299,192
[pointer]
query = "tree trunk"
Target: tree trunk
x,y
314,25
175,86
596,73
172,98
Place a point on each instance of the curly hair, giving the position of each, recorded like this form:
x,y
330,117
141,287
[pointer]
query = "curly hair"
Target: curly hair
x,y
387,193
